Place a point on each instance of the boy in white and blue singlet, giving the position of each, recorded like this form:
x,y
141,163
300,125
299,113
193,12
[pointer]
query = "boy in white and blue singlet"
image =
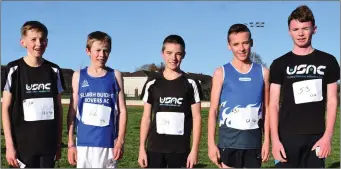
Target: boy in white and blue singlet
x,y
240,92
97,110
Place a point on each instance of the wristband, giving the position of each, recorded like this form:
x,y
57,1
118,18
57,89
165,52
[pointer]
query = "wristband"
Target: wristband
x,y
71,146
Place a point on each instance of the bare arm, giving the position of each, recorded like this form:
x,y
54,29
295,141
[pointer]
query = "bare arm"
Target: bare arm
x,y
275,90
217,83
122,109
145,123
331,109
6,101
196,113
266,105
60,120
72,109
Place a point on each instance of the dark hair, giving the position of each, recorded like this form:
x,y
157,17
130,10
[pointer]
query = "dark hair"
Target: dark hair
x,y
236,28
303,14
176,39
34,25
98,36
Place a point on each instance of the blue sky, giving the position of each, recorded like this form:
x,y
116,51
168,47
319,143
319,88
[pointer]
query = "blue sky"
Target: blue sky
x,y
138,29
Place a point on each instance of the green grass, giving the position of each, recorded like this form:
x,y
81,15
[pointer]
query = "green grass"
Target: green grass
x,y
129,159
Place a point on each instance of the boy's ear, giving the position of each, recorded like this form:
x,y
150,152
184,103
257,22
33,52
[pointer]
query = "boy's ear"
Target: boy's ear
x,y
183,56
251,42
87,51
22,43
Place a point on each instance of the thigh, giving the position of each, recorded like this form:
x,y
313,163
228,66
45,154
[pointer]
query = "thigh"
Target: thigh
x,y
176,160
231,157
47,161
293,145
102,157
83,159
309,158
252,158
30,161
156,160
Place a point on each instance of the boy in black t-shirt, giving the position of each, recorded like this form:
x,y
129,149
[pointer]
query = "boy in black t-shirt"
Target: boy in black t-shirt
x,y
174,99
31,107
307,79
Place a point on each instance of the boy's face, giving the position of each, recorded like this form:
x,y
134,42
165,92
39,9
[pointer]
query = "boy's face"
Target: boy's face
x,y
35,43
301,32
99,53
172,55
240,44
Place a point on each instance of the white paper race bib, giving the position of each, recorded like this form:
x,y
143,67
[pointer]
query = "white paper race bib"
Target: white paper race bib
x,y
37,109
307,91
170,123
243,118
96,114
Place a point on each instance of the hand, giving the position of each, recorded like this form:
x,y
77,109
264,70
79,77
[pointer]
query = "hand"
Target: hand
x,y
325,147
277,150
118,151
214,155
58,153
143,158
72,155
11,156
192,159
265,151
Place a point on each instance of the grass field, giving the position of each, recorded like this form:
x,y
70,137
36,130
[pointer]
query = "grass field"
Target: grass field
x,y
129,159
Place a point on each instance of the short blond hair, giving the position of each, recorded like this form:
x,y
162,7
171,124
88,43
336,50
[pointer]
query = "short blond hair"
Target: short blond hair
x,y
98,36
34,25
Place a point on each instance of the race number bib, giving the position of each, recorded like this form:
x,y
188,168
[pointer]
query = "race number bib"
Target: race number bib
x,y
96,115
170,123
37,109
243,118
308,91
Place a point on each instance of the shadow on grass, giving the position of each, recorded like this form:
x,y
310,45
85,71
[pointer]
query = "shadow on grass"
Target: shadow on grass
x,y
335,165
200,166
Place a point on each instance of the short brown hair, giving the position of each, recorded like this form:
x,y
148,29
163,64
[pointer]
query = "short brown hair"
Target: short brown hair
x,y
303,14
98,36
176,39
34,25
236,28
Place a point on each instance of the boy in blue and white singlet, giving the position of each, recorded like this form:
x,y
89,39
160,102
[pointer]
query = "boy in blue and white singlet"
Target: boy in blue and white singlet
x,y
239,98
97,110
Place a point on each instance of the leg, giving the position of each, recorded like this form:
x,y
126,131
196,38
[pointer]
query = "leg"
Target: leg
x,y
156,160
30,161
231,158
293,149
176,160
253,158
47,161
102,158
83,157
310,159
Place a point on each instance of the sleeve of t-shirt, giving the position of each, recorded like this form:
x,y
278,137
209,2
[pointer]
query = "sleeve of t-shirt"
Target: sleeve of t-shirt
x,y
146,95
196,94
333,71
276,73
9,80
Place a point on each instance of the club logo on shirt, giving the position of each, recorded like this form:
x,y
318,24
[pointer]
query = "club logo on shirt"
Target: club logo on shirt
x,y
40,87
306,69
85,83
171,101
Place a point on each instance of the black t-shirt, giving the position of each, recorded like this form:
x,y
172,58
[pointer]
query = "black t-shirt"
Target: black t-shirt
x,y
34,108
304,81
171,100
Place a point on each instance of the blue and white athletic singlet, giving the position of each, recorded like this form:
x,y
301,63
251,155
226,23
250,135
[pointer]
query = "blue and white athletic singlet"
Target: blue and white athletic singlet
x,y
240,108
97,115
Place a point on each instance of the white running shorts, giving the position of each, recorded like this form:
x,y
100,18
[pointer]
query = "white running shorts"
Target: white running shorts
x,y
95,157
